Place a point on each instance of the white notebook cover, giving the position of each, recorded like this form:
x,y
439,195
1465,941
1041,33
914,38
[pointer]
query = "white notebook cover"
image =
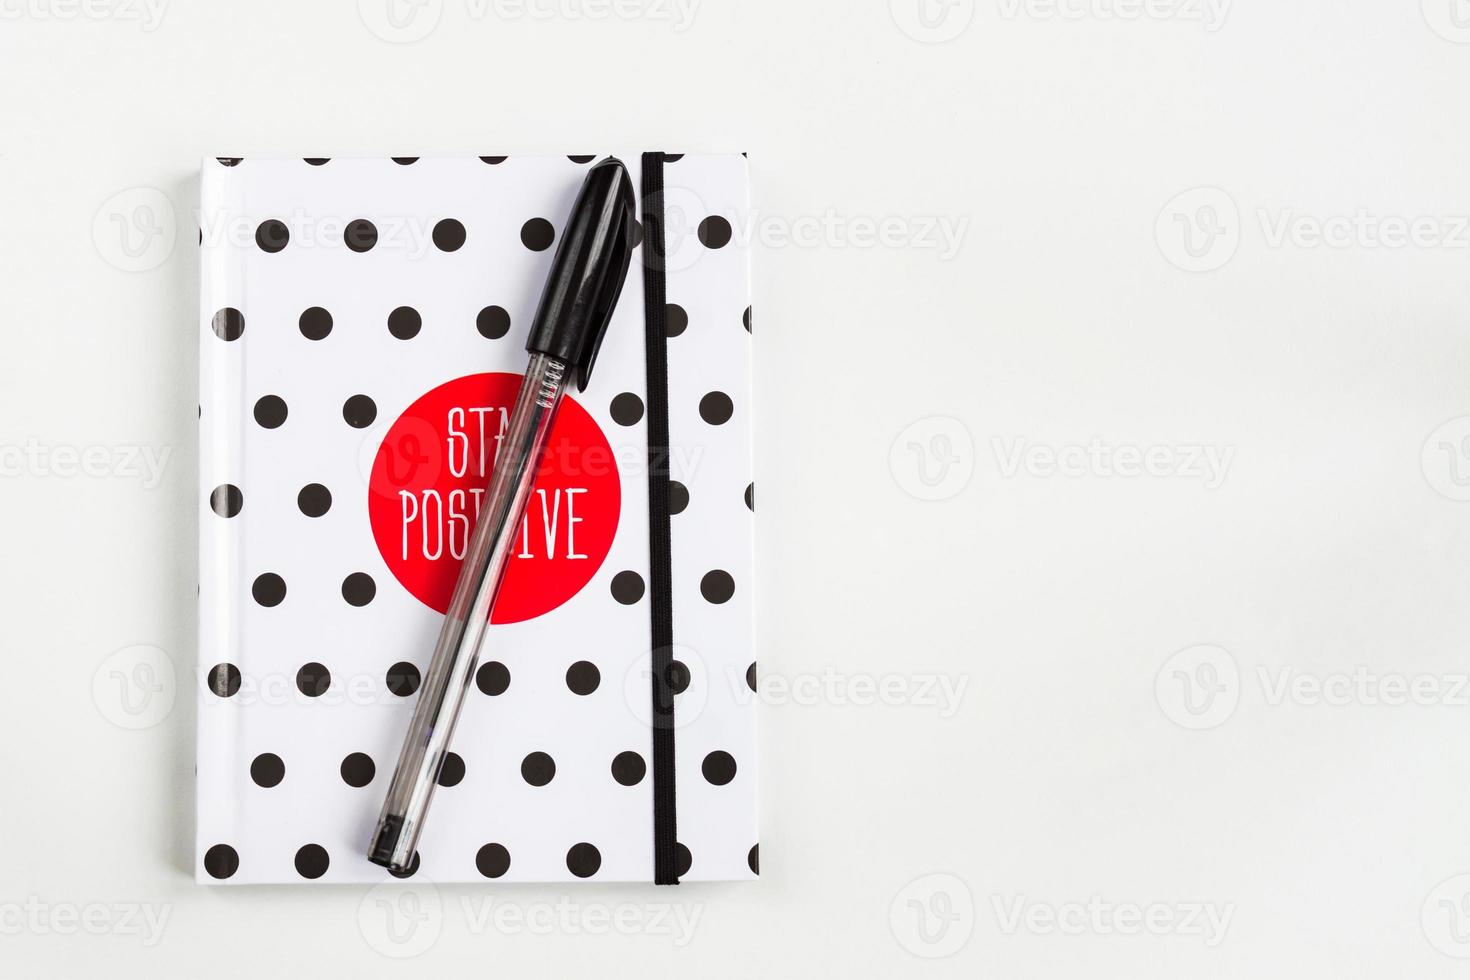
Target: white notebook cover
x,y
326,532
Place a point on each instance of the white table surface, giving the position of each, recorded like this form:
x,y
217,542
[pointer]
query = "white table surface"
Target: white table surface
x,y
1171,681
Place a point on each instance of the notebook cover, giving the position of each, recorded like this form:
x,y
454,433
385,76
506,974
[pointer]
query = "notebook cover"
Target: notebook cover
x,y
361,338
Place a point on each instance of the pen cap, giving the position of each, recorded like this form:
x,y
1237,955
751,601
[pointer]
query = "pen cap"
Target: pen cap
x,y
588,271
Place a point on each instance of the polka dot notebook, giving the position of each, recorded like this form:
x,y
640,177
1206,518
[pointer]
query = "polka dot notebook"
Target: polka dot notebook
x,y
362,336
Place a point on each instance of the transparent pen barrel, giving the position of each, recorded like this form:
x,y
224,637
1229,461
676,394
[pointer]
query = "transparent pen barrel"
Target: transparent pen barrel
x,y
456,654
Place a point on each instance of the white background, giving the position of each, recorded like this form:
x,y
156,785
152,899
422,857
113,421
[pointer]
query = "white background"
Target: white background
x,y
1083,762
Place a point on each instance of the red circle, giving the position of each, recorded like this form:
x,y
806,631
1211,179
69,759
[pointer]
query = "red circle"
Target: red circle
x,y
430,474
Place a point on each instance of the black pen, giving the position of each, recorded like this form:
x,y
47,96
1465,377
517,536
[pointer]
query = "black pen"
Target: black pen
x,y
581,291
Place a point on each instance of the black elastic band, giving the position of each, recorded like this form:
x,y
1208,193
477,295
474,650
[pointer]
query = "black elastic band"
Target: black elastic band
x,y
660,561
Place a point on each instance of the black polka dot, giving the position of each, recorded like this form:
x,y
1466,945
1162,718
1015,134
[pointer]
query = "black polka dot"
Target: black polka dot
x,y
493,160
313,679
272,235
537,234
268,589
267,770
270,411
583,860
716,408
718,767
405,161
754,859
678,676
492,860
405,323
229,161
410,871
312,861
358,769
626,409
714,232
359,411
360,235
403,678
314,500
683,860
492,678
750,496
316,161
583,677
582,157
750,676
676,321
628,768
224,680
226,500
451,769
538,768
745,317
221,861
627,587
717,586
315,323
449,235
359,588
493,322
228,323
678,497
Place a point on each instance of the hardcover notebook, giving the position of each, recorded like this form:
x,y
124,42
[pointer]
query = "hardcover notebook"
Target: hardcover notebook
x,y
362,339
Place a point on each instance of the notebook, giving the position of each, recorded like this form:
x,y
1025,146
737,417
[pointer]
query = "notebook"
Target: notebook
x,y
362,332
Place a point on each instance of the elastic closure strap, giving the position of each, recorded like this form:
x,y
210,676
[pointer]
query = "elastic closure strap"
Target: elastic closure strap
x,y
660,562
